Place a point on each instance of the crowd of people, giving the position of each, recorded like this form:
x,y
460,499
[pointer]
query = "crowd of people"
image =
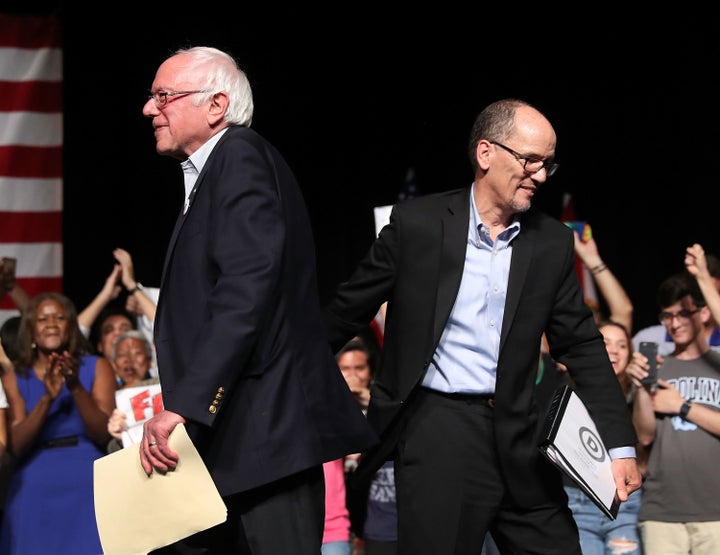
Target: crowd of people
x,y
424,441
60,372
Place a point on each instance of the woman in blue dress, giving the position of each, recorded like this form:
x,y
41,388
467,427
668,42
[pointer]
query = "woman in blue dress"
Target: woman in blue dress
x,y
60,400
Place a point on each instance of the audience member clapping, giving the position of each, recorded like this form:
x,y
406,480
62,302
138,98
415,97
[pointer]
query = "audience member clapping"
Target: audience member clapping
x,y
59,407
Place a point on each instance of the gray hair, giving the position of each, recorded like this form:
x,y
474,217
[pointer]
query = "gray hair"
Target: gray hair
x,y
222,73
132,334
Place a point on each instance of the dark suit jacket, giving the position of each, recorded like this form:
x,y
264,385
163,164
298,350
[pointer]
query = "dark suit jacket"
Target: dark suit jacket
x,y
242,352
416,265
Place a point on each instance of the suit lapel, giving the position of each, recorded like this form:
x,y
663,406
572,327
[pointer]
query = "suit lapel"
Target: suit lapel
x,y
171,244
523,247
454,225
183,217
178,226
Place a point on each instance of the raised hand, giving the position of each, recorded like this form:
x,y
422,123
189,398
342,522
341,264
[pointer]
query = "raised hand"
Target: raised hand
x,y
128,271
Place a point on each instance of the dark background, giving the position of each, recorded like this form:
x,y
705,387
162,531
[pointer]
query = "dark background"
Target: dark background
x,y
354,97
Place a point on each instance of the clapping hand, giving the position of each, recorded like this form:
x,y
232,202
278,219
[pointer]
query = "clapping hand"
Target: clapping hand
x,y
112,287
63,367
128,271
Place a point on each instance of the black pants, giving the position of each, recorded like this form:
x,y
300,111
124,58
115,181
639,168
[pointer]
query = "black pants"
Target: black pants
x,y
451,489
286,516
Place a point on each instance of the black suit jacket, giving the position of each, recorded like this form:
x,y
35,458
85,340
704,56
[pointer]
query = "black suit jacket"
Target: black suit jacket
x,y
242,352
416,264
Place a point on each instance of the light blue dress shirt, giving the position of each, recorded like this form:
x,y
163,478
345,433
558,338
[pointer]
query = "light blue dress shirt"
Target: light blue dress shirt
x,y
465,360
194,165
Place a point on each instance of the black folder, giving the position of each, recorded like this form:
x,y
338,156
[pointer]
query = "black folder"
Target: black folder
x,y
572,443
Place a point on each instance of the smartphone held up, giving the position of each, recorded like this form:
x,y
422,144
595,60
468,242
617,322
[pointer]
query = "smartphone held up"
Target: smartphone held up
x,y
7,273
650,350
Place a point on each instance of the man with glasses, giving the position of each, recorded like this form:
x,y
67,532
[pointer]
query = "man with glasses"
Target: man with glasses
x,y
242,356
658,333
680,422
473,278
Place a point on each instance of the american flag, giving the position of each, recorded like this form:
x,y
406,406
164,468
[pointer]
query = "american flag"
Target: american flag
x,y
31,142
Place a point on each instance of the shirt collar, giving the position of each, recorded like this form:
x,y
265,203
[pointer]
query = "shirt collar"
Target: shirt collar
x,y
478,232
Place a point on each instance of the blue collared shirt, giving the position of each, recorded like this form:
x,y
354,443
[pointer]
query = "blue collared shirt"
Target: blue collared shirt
x,y
466,357
194,165
465,360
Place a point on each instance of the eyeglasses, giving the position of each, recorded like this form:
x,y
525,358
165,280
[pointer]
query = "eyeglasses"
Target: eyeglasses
x,y
668,317
531,165
161,97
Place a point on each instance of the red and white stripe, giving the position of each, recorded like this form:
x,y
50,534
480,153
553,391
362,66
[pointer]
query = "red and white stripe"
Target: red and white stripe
x,y
31,141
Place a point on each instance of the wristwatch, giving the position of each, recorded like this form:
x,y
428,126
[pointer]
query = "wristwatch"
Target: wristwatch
x,y
684,409
138,287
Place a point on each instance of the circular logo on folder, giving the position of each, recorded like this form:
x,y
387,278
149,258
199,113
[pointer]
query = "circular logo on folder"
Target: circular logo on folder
x,y
592,444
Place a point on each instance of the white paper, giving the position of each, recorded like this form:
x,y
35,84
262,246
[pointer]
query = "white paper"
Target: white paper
x,y
579,450
139,403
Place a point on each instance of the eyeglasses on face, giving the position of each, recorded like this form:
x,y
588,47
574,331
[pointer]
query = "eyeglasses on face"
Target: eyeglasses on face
x,y
161,97
531,165
668,317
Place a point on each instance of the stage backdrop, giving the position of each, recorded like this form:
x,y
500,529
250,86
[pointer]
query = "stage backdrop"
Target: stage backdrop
x,y
31,141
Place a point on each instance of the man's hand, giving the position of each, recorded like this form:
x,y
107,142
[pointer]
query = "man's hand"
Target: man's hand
x,y
627,477
155,453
